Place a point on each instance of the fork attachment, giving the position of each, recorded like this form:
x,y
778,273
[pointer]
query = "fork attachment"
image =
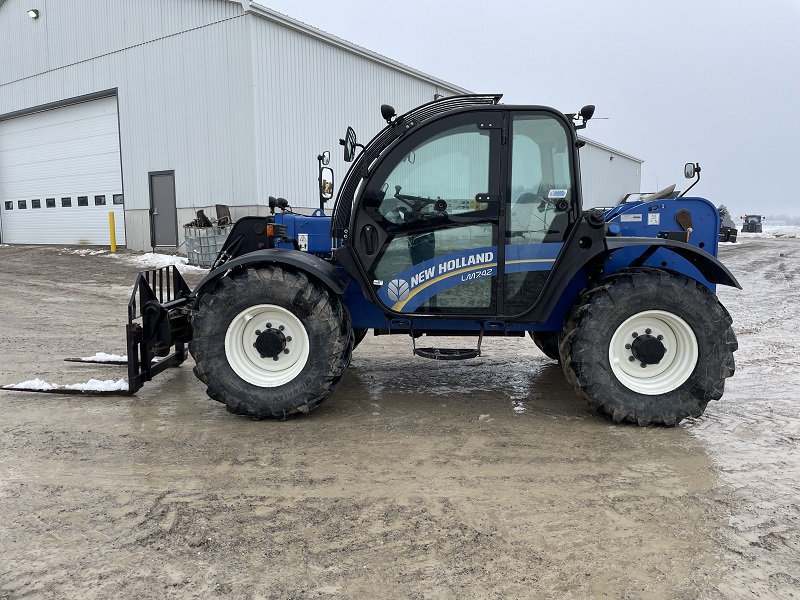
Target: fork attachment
x,y
158,300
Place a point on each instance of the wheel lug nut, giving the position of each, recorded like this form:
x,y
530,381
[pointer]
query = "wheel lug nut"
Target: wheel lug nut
x,y
258,332
635,334
627,346
643,365
288,338
280,328
648,331
274,358
269,325
286,351
630,358
659,337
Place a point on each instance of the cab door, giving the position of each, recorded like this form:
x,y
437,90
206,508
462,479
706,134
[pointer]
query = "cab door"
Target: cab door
x,y
542,204
427,224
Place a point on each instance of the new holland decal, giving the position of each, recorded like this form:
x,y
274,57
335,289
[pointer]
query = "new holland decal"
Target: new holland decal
x,y
409,289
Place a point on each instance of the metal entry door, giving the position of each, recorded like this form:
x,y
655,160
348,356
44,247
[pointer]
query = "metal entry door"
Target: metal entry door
x,y
163,211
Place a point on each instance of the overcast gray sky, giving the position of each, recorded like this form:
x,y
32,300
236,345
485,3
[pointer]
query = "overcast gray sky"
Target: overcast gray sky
x,y
714,82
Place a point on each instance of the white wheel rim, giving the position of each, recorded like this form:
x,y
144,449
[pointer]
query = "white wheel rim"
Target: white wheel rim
x,y
672,370
246,361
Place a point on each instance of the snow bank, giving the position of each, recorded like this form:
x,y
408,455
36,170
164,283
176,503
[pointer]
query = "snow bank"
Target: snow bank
x,y
93,385
788,232
83,251
152,260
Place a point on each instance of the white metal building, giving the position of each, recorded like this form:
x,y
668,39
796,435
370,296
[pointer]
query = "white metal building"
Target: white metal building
x,y
154,109
607,175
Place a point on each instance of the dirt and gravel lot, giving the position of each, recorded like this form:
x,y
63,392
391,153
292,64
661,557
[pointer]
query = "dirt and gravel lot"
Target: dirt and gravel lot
x,y
481,479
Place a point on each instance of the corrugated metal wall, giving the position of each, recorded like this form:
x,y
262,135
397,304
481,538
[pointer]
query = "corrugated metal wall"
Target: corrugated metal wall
x,y
185,101
606,176
238,104
307,92
68,32
184,104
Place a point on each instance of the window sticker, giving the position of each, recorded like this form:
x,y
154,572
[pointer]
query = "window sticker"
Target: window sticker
x,y
556,194
630,218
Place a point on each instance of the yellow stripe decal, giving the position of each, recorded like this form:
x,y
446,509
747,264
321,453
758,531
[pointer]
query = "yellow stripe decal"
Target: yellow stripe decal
x,y
398,306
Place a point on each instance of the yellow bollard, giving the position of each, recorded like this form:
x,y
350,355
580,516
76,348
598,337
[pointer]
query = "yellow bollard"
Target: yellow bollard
x,y
113,232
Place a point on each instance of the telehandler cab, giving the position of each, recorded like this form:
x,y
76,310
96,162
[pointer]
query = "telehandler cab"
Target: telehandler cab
x,y
462,217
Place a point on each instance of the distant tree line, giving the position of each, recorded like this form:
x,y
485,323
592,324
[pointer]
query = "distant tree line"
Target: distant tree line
x,y
787,219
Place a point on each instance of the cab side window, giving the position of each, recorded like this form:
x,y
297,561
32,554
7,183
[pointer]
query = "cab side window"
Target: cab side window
x,y
541,186
452,166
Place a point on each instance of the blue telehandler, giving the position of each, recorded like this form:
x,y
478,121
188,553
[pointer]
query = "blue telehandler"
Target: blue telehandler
x,y
461,218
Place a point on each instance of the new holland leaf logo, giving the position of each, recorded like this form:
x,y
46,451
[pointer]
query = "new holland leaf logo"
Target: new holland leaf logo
x,y
398,290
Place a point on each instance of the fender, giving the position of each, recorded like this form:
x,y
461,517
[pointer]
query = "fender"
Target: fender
x,y
709,266
316,267
587,250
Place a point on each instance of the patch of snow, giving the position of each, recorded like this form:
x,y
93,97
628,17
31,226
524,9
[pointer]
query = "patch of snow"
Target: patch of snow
x,y
84,251
152,260
103,357
788,232
94,385
4,246
33,384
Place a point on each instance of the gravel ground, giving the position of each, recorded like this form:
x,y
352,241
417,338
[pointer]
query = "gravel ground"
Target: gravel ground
x,y
481,479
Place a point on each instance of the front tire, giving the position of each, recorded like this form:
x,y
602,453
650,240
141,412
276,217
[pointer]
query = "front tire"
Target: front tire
x,y
270,343
648,346
358,336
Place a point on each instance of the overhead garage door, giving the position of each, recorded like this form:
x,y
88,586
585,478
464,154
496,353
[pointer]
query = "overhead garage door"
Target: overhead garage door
x,y
60,176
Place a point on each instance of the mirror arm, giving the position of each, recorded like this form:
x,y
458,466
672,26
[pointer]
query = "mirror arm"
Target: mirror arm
x,y
694,183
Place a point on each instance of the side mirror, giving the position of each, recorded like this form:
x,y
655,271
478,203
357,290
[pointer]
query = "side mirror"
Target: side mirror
x,y
326,183
690,170
325,157
349,143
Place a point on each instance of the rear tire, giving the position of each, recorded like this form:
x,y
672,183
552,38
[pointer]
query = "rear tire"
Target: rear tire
x,y
270,343
686,347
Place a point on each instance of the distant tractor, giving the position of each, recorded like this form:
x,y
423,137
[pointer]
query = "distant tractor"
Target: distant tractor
x,y
752,223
